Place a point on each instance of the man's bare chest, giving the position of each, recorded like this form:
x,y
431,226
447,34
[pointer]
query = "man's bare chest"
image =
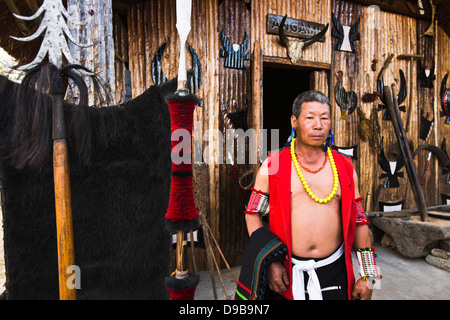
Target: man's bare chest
x,y
321,183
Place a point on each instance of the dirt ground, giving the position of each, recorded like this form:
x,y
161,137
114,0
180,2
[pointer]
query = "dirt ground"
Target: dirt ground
x,y
403,279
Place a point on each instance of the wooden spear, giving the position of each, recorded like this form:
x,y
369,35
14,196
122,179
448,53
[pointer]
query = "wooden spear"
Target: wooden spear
x,y
183,9
63,199
182,213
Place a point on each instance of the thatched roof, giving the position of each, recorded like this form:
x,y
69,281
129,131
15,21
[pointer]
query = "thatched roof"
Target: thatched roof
x,y
10,26
24,51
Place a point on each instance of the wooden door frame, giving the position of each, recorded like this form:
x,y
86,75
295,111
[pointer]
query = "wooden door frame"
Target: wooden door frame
x,y
318,69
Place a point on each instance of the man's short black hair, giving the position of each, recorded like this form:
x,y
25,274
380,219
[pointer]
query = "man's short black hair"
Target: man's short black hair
x,y
308,96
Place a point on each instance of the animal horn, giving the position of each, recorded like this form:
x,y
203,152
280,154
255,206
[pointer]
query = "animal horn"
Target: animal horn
x,y
401,96
316,37
443,158
443,87
284,40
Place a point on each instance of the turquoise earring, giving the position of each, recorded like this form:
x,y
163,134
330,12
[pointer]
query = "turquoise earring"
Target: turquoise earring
x,y
292,136
329,142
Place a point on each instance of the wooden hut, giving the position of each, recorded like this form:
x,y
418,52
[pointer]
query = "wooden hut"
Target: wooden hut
x,y
247,81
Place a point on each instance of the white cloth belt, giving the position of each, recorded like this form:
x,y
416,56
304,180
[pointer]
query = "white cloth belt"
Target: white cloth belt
x,y
310,266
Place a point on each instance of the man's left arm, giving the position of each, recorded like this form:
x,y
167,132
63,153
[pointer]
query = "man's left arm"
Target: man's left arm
x,y
362,246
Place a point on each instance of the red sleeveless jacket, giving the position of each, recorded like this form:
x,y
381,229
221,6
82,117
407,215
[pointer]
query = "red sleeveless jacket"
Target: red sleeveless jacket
x,y
280,207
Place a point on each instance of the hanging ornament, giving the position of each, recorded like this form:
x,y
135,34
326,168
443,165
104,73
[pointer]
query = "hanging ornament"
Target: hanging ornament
x,y
391,169
234,54
426,76
346,35
194,81
54,43
401,96
346,100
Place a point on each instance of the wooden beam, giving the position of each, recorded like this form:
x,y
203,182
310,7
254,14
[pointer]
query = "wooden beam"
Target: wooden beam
x,y
409,56
300,64
411,212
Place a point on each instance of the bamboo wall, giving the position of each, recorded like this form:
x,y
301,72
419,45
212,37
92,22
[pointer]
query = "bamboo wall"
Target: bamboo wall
x,y
217,190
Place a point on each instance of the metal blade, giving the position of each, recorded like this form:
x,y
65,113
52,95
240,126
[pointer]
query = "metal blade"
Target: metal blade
x,y
184,27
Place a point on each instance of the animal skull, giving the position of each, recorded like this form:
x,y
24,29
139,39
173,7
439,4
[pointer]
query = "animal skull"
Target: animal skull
x,y
295,47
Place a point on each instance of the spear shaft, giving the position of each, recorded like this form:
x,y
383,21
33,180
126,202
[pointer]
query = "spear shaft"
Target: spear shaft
x,y
63,198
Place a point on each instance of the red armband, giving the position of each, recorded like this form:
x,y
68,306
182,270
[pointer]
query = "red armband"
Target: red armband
x,y
258,203
361,218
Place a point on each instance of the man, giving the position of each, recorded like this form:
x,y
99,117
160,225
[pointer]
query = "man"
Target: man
x,y
315,210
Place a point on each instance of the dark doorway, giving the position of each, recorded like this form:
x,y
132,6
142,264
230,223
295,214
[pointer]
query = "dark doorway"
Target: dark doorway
x,y
280,88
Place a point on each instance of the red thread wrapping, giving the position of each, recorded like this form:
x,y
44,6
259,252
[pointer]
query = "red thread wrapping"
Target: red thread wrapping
x,y
181,203
361,218
183,294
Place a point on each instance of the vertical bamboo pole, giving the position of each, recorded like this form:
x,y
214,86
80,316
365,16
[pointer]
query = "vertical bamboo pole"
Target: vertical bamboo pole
x,y
180,250
435,109
256,94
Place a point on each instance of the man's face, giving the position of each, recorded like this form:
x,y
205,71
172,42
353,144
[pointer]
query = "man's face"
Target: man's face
x,y
313,124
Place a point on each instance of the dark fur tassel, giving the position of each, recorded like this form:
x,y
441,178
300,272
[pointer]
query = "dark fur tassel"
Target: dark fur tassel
x,y
31,133
123,194
370,97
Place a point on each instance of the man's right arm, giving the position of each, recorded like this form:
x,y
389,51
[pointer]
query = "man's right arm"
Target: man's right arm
x,y
277,275
253,221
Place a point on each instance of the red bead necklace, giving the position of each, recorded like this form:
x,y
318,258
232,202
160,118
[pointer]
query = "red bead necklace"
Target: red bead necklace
x,y
313,171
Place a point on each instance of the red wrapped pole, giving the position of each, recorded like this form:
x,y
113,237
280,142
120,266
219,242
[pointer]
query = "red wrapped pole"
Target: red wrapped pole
x,y
182,214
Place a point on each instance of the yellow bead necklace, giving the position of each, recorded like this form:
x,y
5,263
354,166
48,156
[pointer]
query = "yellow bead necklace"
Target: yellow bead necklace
x,y
303,180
